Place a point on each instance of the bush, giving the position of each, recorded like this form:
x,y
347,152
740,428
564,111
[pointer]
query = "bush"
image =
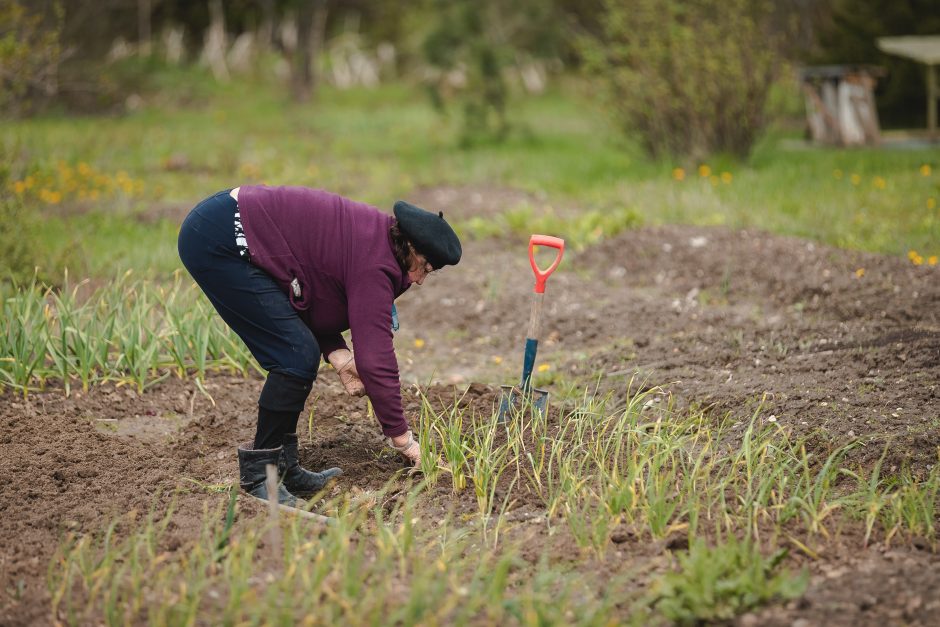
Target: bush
x,y
30,52
17,241
690,77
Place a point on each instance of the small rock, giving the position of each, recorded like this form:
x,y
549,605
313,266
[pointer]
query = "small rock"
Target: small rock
x,y
867,602
749,620
912,606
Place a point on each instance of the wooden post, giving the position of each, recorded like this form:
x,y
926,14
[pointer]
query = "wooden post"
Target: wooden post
x,y
274,535
932,96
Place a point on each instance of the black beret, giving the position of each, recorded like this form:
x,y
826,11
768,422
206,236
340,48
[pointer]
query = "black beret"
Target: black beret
x,y
429,233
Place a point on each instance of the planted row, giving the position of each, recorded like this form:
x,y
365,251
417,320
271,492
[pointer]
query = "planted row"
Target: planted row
x,y
654,471
128,331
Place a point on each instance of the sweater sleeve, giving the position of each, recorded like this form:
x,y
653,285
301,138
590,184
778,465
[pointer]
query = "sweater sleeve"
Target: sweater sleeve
x,y
330,343
370,320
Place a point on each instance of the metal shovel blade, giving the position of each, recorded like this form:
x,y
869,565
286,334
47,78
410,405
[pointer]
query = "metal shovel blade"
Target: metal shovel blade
x,y
512,401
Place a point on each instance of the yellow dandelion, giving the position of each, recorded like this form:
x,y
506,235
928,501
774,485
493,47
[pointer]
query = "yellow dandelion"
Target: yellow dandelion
x,y
931,203
704,171
678,174
925,170
911,254
932,260
19,187
419,343
879,182
860,272
497,359
837,173
856,179
84,169
917,260
544,368
726,178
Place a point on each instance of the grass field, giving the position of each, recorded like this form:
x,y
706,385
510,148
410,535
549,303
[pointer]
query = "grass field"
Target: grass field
x,y
87,176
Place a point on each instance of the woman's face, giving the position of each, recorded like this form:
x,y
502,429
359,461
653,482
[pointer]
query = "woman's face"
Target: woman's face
x,y
420,268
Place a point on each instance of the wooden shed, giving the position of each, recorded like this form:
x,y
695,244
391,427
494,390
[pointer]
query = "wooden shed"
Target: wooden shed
x,y
923,49
840,104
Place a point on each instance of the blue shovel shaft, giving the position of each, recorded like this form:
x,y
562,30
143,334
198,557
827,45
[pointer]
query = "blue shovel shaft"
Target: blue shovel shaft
x,y
532,340
528,363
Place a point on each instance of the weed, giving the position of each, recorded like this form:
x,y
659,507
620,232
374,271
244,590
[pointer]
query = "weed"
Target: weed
x,y
717,583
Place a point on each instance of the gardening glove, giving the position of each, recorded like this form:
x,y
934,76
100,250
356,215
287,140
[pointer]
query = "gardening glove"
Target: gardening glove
x,y
345,364
410,449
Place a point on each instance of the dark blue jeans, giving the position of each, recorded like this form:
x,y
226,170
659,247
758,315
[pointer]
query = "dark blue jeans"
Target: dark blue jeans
x,y
252,304
245,296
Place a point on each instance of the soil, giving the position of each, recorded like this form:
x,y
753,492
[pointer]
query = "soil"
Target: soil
x,y
837,345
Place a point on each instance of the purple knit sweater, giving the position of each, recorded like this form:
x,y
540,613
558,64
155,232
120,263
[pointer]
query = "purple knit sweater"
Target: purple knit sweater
x,y
340,253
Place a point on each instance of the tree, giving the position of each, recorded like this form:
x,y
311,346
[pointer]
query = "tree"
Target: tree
x,y
472,44
311,23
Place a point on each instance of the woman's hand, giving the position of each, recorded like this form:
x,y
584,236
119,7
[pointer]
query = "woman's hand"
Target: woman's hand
x,y
408,447
345,364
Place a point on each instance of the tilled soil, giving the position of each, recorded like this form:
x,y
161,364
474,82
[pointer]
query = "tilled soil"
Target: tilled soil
x,y
836,345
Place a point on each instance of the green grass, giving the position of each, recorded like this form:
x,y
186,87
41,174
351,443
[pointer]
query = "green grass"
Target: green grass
x,y
379,145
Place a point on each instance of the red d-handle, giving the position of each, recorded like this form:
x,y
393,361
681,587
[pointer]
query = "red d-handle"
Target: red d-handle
x,y
542,275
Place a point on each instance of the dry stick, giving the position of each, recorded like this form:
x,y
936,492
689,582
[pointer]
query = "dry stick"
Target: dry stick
x,y
275,533
296,511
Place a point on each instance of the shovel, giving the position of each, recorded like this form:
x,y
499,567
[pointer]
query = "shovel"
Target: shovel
x,y
510,396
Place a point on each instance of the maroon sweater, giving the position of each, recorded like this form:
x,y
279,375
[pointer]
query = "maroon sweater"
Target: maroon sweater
x,y
340,253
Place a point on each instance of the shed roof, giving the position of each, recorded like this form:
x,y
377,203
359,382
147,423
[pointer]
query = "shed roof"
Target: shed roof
x,y
922,48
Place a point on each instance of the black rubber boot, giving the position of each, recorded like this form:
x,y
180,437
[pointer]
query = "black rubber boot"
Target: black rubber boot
x,y
298,479
279,405
253,474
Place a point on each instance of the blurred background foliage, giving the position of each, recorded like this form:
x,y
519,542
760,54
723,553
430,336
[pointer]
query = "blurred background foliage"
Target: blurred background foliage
x,y
471,55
